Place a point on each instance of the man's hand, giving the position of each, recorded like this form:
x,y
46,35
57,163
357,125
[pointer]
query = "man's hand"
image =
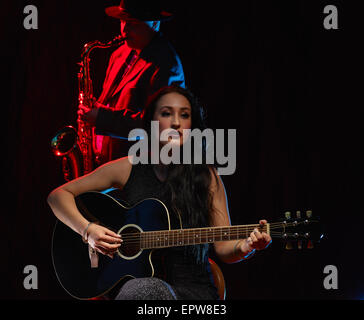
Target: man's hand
x,y
88,114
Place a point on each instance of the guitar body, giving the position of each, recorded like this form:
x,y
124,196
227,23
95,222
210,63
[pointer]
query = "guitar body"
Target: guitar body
x,y
71,255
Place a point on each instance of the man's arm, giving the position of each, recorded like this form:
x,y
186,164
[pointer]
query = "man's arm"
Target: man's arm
x,y
117,123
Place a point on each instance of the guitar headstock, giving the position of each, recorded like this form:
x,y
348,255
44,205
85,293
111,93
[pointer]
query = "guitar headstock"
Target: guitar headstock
x,y
301,228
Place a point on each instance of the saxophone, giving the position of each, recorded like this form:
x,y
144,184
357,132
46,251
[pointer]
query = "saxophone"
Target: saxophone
x,y
76,146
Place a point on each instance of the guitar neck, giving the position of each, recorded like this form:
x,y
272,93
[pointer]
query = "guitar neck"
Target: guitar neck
x,y
183,237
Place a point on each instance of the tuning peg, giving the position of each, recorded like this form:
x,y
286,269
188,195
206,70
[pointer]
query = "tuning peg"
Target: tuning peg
x,y
289,245
308,213
309,244
287,214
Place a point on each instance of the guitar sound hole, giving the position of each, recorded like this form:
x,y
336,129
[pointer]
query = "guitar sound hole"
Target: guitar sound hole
x,y
131,242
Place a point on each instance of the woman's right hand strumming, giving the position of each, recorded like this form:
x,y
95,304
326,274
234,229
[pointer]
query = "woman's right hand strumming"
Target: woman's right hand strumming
x,y
63,204
103,240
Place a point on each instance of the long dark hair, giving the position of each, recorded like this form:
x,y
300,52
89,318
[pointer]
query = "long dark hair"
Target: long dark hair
x,y
187,185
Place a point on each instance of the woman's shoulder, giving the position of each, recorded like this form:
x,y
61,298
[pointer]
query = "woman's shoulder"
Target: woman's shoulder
x,y
119,170
215,178
125,168
124,163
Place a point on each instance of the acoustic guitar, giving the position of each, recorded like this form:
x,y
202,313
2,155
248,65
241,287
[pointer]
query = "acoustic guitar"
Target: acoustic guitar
x,y
146,230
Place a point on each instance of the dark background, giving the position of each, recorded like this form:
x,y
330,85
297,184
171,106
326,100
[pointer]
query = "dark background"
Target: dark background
x,y
266,68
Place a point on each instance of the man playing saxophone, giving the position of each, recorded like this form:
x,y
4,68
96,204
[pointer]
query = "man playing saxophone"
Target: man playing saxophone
x,y
138,68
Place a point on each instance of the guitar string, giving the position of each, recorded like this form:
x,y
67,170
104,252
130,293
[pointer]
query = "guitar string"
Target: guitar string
x,y
190,237
236,230
154,244
187,234
138,240
171,234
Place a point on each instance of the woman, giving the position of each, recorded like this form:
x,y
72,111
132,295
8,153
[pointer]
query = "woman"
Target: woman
x,y
193,193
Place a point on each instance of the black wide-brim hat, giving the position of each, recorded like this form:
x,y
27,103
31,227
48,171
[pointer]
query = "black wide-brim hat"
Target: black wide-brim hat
x,y
144,10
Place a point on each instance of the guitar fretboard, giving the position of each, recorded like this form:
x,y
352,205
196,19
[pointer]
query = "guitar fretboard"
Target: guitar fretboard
x,y
185,237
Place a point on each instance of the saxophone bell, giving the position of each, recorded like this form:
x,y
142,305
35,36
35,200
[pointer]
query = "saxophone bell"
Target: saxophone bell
x,y
65,144
64,141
